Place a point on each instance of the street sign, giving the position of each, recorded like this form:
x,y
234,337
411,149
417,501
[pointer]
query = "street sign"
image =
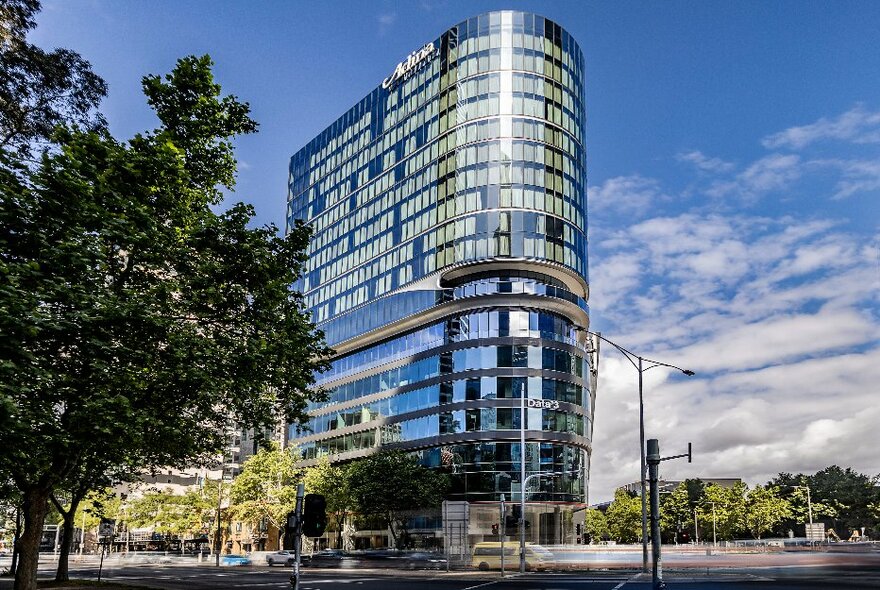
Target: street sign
x,y
106,528
816,531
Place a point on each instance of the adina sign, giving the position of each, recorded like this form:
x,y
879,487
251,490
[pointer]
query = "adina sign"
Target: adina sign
x,y
410,65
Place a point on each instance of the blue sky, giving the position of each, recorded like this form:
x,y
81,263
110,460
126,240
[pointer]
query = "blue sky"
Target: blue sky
x,y
734,172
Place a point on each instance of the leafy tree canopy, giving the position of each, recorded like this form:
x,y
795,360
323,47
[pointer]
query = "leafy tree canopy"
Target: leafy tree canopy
x,y
389,484
624,517
40,89
265,491
332,482
764,509
841,496
138,322
596,525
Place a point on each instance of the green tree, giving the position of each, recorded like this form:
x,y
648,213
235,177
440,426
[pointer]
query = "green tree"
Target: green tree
x,y
265,490
179,515
332,482
138,322
843,496
675,512
726,506
389,485
92,473
38,89
624,517
596,525
764,509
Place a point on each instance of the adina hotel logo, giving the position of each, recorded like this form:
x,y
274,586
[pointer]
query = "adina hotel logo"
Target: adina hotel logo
x,y
410,65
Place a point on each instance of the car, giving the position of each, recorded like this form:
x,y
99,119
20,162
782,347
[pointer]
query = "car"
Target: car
x,y
328,558
235,560
424,560
282,557
148,557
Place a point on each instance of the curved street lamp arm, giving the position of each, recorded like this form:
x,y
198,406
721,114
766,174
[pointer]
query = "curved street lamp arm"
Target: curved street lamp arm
x,y
633,357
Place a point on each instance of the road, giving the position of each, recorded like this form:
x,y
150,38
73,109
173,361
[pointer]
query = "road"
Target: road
x,y
813,571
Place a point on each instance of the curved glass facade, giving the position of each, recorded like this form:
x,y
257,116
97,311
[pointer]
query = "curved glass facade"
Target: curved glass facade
x,y
449,262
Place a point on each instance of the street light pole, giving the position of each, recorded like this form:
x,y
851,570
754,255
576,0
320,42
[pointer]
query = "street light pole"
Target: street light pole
x,y
522,520
639,363
714,538
522,478
501,531
809,512
643,467
219,540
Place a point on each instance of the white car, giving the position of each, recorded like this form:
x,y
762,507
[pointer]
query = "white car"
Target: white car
x,y
280,557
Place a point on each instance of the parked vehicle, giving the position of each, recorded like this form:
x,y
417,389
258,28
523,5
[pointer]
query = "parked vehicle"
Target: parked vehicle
x,y
281,557
235,560
488,556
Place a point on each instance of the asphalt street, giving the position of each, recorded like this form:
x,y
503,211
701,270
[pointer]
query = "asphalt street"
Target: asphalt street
x,y
822,571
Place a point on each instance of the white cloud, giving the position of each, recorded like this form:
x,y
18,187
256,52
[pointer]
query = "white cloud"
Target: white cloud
x,y
778,317
858,125
626,194
775,172
704,163
857,176
386,20
778,339
778,313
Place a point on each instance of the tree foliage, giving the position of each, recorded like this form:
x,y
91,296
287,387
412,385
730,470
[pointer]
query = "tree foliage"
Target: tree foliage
x,y
726,508
138,322
332,482
840,496
675,511
390,484
40,89
183,515
764,509
624,517
596,525
265,490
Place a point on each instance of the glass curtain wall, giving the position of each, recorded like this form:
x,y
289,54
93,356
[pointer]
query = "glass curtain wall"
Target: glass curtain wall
x,y
449,262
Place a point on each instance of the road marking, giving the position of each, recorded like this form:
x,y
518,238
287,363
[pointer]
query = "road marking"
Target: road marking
x,y
625,582
483,585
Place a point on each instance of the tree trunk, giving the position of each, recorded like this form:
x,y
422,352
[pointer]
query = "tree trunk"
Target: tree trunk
x,y
340,525
390,521
14,563
35,505
62,574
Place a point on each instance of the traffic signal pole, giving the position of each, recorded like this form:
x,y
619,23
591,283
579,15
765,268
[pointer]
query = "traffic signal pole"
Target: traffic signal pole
x,y
297,535
502,529
653,460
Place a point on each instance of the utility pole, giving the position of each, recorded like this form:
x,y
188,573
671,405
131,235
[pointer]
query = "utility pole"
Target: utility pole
x,y
714,537
219,541
653,459
297,535
502,530
522,478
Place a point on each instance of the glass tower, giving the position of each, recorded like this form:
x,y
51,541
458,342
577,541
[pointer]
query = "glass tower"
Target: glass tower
x,y
448,265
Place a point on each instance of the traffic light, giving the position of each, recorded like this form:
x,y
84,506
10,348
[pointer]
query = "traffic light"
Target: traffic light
x,y
289,531
511,525
314,516
495,529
